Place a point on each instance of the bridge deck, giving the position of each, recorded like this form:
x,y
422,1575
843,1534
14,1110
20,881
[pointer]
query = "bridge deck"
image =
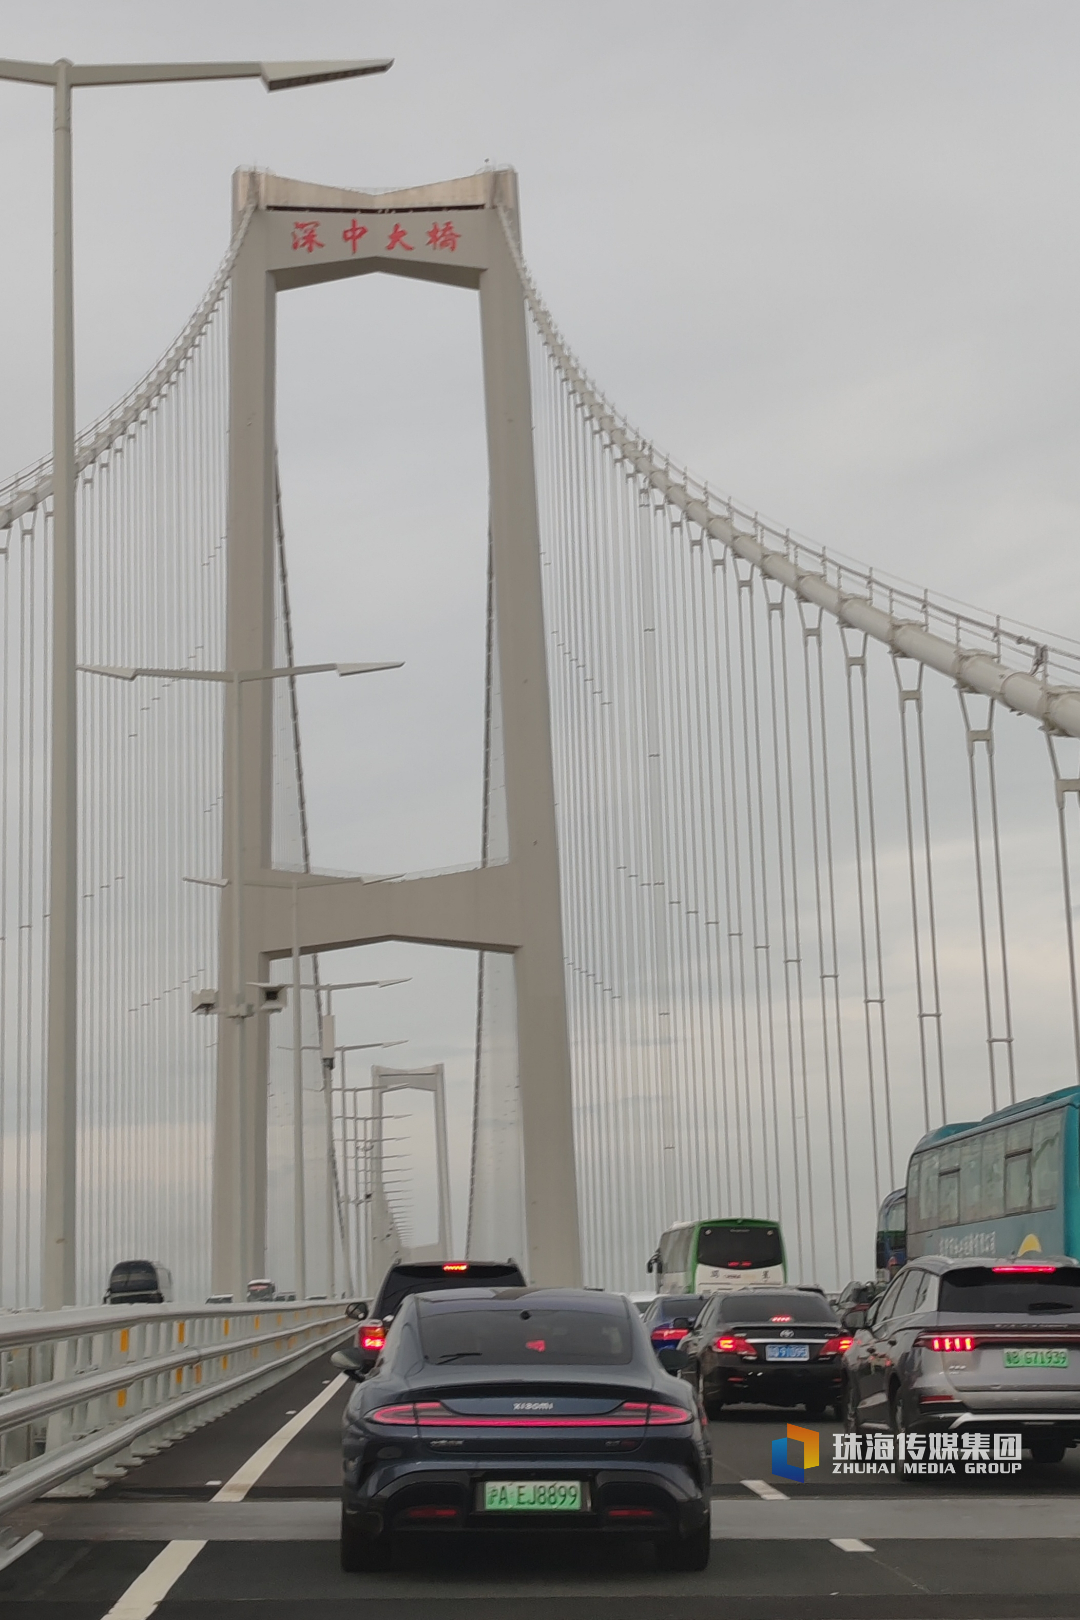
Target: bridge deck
x,y
992,1549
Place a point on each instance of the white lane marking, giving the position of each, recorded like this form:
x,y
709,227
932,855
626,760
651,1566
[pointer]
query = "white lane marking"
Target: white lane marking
x,y
849,1544
213,1482
147,1590
236,1488
767,1492
161,1574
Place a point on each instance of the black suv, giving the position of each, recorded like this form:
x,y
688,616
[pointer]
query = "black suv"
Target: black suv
x,y
422,1277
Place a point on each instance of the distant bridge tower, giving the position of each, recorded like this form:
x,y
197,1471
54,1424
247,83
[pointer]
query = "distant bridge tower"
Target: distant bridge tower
x,y
300,235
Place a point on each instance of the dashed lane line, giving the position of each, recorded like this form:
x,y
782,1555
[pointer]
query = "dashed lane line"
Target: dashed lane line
x,y
162,1573
850,1544
767,1492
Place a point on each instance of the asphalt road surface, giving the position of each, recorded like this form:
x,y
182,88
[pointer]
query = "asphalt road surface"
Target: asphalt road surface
x,y
835,1547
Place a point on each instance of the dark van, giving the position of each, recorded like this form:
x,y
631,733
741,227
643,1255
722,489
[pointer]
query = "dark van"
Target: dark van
x,y
139,1282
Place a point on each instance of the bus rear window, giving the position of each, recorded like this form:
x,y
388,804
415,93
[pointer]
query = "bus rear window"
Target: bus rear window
x,y
740,1248
1009,1291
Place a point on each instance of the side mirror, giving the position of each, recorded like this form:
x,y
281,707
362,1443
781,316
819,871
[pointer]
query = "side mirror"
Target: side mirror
x,y
386,1321
348,1362
356,1309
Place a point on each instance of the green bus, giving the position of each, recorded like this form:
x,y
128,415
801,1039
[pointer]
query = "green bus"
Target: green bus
x,y
706,1257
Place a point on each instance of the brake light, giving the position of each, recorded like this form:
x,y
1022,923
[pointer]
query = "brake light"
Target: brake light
x,y
835,1347
632,1513
431,1512
668,1335
455,1265
940,1400
1003,1270
371,1338
667,1415
736,1346
946,1341
779,1318
393,1415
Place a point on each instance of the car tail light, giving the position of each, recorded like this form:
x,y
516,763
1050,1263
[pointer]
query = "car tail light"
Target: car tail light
x,y
666,1415
835,1347
630,1414
779,1318
456,1265
668,1335
1007,1270
736,1346
395,1415
946,1341
371,1338
632,1513
430,1511
940,1400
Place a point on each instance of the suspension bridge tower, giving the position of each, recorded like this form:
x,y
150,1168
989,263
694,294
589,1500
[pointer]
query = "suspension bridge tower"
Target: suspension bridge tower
x,y
459,233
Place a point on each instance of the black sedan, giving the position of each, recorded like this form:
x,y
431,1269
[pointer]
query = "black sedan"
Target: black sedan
x,y
522,1409
779,1346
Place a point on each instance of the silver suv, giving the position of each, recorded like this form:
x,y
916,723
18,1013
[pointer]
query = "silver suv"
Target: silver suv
x,y
990,1344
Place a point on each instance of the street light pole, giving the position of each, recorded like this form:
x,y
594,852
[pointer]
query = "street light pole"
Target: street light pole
x,y
61,1100
61,1112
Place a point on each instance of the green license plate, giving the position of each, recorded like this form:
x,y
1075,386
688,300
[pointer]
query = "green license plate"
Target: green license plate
x,y
532,1496
1036,1358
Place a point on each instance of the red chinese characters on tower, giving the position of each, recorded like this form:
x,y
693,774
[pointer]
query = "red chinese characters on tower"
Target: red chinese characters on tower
x,y
353,234
305,236
444,236
398,239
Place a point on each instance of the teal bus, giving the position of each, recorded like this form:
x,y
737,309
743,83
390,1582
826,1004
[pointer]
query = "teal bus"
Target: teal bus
x,y
705,1257
1008,1184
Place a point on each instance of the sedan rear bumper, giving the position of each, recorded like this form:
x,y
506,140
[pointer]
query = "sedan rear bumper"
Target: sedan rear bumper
x,y
661,1499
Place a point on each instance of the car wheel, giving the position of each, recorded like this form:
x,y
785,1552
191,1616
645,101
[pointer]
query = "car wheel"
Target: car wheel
x,y
1046,1448
851,1411
685,1553
361,1553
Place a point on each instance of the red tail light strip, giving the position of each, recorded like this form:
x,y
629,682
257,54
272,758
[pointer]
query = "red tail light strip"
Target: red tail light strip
x,y
835,1347
736,1346
1002,1271
433,1414
668,1335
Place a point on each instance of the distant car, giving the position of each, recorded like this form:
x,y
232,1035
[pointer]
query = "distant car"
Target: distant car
x,y
416,1277
991,1346
219,1299
261,1288
522,1409
854,1302
641,1300
139,1282
668,1321
779,1346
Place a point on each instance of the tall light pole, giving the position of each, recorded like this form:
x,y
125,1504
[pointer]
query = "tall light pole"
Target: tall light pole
x,y
239,1009
61,1109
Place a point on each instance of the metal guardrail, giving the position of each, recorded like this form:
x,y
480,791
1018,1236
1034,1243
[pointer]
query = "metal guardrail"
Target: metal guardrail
x,y
86,1395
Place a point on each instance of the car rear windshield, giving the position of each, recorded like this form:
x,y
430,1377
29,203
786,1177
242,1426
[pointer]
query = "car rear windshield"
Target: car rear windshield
x,y
507,1337
990,1292
133,1276
416,1278
673,1305
755,1310
740,1248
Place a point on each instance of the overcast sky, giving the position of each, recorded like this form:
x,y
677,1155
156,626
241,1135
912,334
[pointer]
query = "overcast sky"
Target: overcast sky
x,y
824,251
